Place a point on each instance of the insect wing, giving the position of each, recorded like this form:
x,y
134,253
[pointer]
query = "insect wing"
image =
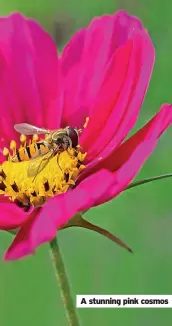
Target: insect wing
x,y
27,129
36,166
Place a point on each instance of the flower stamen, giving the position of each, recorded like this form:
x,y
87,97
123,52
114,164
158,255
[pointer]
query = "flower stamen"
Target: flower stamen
x,y
57,176
23,140
86,122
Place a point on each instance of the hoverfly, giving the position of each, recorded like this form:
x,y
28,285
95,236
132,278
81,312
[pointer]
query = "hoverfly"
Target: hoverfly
x,y
54,143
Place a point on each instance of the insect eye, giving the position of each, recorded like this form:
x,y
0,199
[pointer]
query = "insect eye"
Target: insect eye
x,y
73,136
71,131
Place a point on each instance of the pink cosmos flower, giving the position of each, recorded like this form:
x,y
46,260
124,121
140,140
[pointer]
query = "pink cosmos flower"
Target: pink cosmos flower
x,y
103,73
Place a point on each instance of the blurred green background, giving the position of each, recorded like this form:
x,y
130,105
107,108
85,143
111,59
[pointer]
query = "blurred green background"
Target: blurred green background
x,y
142,216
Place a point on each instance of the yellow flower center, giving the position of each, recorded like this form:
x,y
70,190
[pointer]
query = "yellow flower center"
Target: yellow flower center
x,y
33,181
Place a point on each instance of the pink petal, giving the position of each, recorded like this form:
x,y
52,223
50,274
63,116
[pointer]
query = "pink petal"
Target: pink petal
x,y
1,156
126,172
21,242
117,106
47,75
11,216
114,158
150,132
90,51
28,74
56,212
70,64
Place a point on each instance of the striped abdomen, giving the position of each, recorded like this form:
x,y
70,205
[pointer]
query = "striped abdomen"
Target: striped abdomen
x,y
31,151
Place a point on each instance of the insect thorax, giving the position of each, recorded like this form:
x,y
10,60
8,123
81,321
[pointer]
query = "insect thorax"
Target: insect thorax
x,y
60,140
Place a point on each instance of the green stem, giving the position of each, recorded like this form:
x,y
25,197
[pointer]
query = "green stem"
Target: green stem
x,y
63,284
141,182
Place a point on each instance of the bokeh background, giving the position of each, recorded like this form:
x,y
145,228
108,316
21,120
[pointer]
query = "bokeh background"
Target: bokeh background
x,y
142,216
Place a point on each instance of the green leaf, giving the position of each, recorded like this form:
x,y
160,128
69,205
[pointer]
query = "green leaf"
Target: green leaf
x,y
14,232
78,221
